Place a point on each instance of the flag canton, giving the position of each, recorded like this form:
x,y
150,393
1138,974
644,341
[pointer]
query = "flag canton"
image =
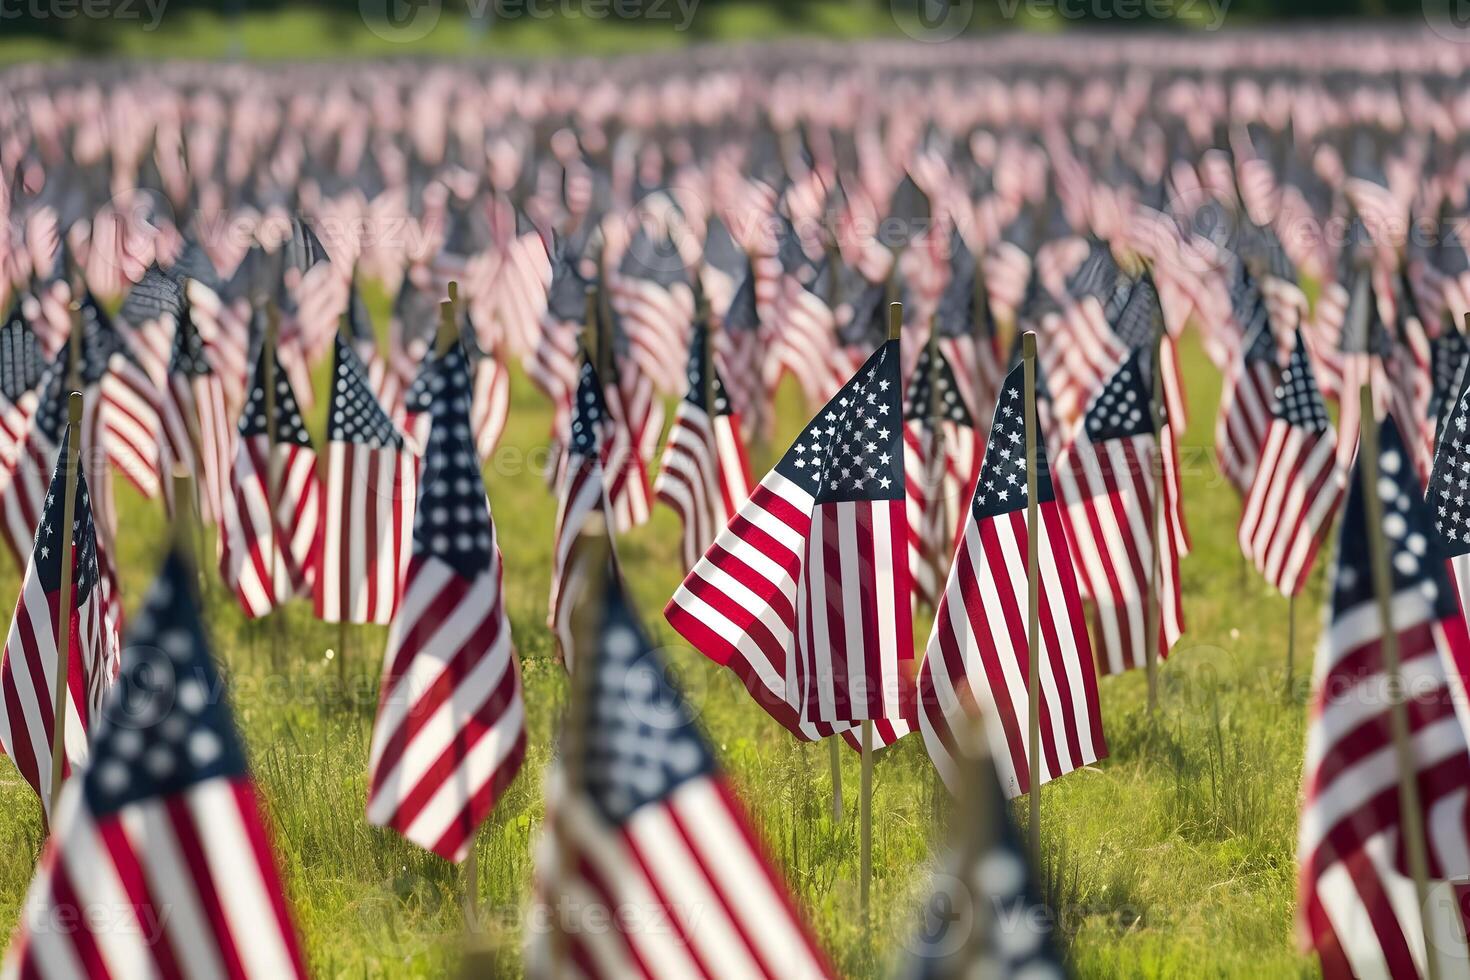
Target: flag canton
x,y
1448,494
51,406
742,316
50,534
156,295
1097,276
934,393
994,890
165,724
453,519
1001,488
21,361
1416,561
100,341
1448,355
696,372
290,427
641,741
957,307
194,263
187,357
591,413
1121,409
1298,401
567,298
864,452
355,414
653,257
1043,393
1141,318
416,398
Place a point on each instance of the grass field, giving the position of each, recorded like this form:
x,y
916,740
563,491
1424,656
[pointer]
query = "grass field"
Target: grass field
x,y
1174,857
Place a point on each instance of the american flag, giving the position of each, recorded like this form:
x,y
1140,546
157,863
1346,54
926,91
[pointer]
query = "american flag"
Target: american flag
x,y
553,364
978,654
225,330
313,294
1450,354
743,351
372,484
129,409
450,732
23,496
1298,483
967,337
704,475
942,452
163,829
637,419
195,419
28,674
985,915
21,367
1358,905
267,558
147,320
854,601
582,493
1250,380
641,821
1106,481
737,606
490,399
649,292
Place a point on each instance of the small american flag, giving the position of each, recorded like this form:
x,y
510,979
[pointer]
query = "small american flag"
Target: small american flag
x,y
978,654
1358,906
643,822
450,733
985,915
195,419
129,409
942,452
28,469
1298,484
372,483
28,674
267,558
553,364
162,829
703,476
1105,479
582,493
1250,380
650,294
21,367
854,628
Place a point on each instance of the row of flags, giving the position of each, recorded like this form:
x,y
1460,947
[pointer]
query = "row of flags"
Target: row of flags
x,y
704,239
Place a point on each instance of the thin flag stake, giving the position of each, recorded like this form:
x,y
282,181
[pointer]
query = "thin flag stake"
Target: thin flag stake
x,y
63,648
834,751
1155,611
1398,713
1033,594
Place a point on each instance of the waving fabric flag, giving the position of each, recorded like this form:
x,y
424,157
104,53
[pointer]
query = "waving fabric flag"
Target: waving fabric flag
x,y
854,626
1250,380
582,493
978,656
704,476
450,733
163,828
1358,906
268,557
23,497
1298,484
195,419
652,827
941,461
21,367
28,674
372,485
1106,482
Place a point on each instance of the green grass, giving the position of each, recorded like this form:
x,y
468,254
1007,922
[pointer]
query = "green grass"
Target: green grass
x,y
1174,857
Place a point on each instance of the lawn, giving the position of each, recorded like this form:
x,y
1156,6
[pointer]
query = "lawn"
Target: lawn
x,y
1174,857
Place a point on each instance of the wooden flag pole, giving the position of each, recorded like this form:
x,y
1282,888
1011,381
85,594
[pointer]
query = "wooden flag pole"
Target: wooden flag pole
x,y
1410,814
1033,592
1155,609
63,646
834,751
